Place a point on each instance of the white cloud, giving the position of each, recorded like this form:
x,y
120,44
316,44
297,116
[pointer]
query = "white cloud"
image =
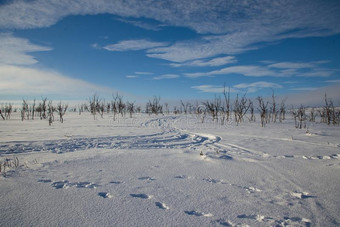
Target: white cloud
x,y
130,45
211,89
166,76
144,25
144,73
304,89
291,65
131,76
253,87
234,27
317,73
25,81
238,88
14,50
246,70
212,62
332,81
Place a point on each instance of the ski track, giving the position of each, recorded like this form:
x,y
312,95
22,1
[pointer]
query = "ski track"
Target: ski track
x,y
171,137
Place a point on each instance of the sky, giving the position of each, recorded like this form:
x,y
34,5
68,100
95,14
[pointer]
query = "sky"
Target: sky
x,y
176,49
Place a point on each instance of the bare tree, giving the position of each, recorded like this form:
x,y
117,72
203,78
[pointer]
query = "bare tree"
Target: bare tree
x,y
185,106
43,108
24,110
282,115
213,107
227,103
130,108
154,106
8,111
300,117
251,108
50,110
61,109
263,110
94,105
2,116
240,108
312,115
273,108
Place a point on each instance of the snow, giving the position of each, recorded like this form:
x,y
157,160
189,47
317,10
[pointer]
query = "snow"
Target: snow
x,y
148,171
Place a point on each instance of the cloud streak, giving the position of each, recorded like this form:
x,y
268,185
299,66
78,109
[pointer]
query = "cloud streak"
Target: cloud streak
x,y
133,45
281,69
166,76
233,27
211,63
25,81
14,50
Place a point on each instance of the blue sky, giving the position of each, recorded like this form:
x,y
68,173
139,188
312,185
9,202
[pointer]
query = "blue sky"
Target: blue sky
x,y
173,49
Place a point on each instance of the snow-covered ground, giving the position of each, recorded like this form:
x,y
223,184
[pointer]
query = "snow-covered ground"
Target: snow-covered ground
x,y
148,171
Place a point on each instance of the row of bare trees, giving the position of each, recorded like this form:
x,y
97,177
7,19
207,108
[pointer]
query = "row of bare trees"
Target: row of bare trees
x,y
221,110
44,110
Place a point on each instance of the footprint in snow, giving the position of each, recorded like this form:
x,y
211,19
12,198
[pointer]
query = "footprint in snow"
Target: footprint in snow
x,y
105,195
162,205
147,178
116,182
214,181
141,196
197,213
224,222
301,195
61,184
45,181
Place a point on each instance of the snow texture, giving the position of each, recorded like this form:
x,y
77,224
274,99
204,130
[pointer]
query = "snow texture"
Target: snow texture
x,y
168,171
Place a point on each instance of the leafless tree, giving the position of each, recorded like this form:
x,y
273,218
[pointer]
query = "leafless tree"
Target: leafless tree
x,y
2,116
263,110
299,117
154,106
330,114
251,108
213,107
312,115
185,106
130,108
43,108
94,103
227,103
61,109
273,108
50,111
241,107
282,115
24,110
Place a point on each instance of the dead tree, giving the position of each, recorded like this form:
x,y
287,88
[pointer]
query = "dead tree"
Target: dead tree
x,y
282,115
251,108
312,115
185,106
94,105
44,108
273,108
240,108
24,110
154,106
213,107
263,110
130,106
61,109
2,116
50,111
227,103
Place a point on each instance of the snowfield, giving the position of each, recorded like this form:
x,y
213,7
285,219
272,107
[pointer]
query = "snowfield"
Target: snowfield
x,y
149,171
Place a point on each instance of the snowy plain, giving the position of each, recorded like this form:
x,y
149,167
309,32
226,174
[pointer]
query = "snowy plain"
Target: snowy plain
x,y
148,171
